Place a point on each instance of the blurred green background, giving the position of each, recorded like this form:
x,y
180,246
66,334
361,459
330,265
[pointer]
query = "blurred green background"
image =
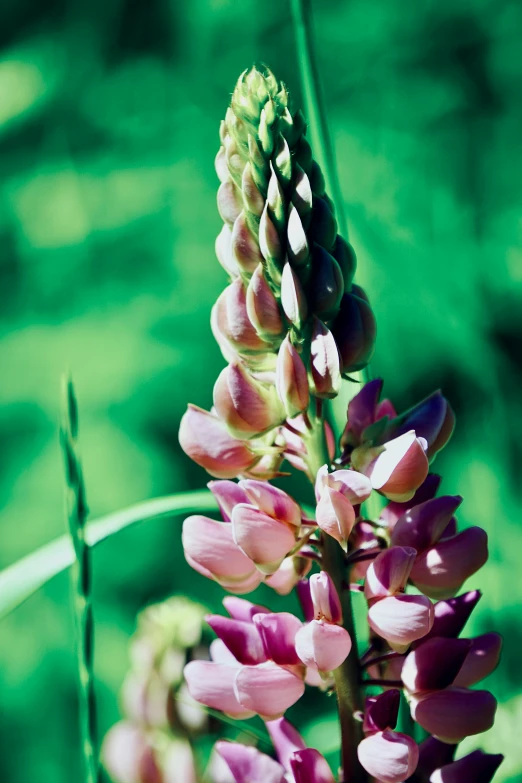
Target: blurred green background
x,y
109,115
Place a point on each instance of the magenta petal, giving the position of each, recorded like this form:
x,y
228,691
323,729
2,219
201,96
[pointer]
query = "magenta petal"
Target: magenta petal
x,y
267,689
452,614
326,602
227,494
478,767
304,595
249,765
242,639
263,539
381,711
308,766
423,525
219,653
434,664
401,619
241,609
389,572
441,570
285,739
389,756
272,501
323,646
455,713
278,630
481,660
213,684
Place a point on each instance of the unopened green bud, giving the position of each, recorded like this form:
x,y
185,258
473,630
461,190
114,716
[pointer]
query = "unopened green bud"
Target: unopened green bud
x,y
276,201
229,202
293,298
298,249
269,242
291,379
283,162
258,164
252,198
224,254
245,248
302,196
265,135
247,407
262,307
323,228
326,285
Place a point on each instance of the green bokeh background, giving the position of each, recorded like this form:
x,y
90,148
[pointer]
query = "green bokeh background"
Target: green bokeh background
x,y
109,115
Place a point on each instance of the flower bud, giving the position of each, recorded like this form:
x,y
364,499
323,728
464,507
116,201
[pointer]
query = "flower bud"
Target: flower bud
x,y
273,501
245,247
323,228
308,766
401,619
478,767
440,571
454,713
270,244
291,570
265,540
262,307
323,646
206,440
246,763
381,712
252,198
354,330
229,202
213,684
434,664
335,515
242,638
275,199
398,470
481,660
356,487
230,321
278,631
221,559
298,248
423,525
302,196
324,361
432,419
451,615
241,609
291,379
268,689
325,599
283,161
345,256
227,494
389,572
388,756
293,298
326,284
247,408
223,247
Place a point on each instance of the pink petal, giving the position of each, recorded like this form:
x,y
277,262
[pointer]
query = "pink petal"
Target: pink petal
x,y
242,639
335,515
213,684
323,646
241,609
262,538
249,765
285,739
227,494
388,573
273,501
326,603
289,573
401,619
278,631
401,467
389,756
355,486
267,689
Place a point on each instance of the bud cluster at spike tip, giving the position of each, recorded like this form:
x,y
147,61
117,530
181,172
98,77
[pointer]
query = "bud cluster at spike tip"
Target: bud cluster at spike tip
x,y
290,322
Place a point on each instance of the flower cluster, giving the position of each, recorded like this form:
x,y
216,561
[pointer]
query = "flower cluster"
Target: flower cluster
x,y
290,324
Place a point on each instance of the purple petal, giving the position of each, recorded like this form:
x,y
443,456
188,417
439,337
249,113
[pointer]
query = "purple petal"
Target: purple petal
x,y
424,524
451,615
309,766
382,711
305,599
434,664
478,767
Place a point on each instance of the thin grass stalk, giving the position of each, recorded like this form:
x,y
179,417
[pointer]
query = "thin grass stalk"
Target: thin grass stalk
x,y
77,511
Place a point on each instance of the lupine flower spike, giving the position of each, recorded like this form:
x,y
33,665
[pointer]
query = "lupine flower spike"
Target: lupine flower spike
x,y
291,324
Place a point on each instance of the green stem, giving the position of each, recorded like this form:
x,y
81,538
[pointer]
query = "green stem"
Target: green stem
x,y
81,583
347,676
315,106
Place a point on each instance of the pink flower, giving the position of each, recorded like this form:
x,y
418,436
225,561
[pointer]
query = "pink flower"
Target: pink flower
x,y
388,756
247,407
335,515
213,684
401,619
263,539
273,501
268,689
325,599
322,645
210,549
396,469
291,379
454,713
206,440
